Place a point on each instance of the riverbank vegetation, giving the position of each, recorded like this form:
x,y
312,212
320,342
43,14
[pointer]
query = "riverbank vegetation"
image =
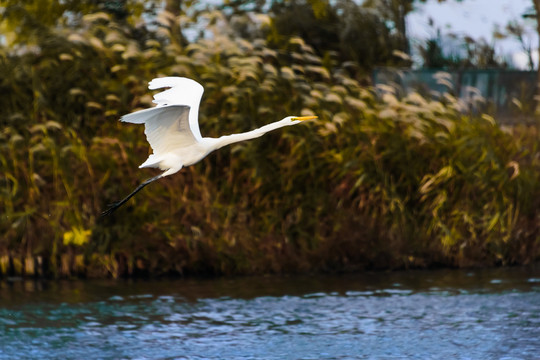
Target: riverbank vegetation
x,y
381,180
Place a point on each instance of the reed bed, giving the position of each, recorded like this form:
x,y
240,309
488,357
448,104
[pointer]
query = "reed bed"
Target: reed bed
x,y
379,181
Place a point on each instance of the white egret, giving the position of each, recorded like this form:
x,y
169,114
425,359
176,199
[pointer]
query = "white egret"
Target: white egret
x,y
172,129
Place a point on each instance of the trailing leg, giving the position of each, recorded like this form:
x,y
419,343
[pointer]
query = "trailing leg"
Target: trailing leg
x,y
112,207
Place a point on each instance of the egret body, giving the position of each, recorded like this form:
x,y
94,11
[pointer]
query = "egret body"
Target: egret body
x,y
172,129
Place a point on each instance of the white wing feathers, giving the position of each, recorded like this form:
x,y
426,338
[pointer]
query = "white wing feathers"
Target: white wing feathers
x,y
166,128
173,123
183,91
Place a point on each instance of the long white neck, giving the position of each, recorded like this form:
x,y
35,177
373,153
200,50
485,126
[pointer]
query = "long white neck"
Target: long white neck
x,y
234,138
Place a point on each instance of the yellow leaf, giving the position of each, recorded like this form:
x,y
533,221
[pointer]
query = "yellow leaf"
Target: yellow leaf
x,y
77,236
493,222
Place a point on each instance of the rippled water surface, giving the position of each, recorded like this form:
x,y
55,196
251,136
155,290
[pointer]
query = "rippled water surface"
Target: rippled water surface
x,y
480,314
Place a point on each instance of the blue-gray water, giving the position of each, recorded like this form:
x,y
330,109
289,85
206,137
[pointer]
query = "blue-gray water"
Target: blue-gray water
x,y
443,314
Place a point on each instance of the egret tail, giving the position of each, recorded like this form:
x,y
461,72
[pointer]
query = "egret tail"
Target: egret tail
x,y
115,205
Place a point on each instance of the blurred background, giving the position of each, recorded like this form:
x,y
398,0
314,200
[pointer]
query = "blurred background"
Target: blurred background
x,y
425,152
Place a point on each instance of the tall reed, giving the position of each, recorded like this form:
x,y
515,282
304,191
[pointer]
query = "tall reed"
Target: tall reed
x,y
378,181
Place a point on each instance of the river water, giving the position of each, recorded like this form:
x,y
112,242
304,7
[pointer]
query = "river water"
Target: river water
x,y
441,314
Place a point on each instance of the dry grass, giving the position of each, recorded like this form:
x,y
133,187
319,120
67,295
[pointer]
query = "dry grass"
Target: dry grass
x,y
376,182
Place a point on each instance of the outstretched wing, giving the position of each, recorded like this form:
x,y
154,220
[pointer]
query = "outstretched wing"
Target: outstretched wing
x,y
183,91
166,127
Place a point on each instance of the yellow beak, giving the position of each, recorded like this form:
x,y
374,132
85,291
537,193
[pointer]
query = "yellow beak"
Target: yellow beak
x,y
302,118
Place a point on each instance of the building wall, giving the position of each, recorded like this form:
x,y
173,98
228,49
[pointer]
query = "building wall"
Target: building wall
x,y
507,94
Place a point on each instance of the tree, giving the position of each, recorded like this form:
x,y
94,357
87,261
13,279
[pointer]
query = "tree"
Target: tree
x,y
517,31
396,11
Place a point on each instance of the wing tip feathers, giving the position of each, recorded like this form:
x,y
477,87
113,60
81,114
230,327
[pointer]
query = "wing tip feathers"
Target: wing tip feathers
x,y
171,81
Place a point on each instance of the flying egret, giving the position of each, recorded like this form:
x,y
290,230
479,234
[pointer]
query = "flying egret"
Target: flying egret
x,y
172,129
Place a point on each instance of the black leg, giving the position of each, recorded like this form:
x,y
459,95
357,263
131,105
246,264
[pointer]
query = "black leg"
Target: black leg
x,y
112,207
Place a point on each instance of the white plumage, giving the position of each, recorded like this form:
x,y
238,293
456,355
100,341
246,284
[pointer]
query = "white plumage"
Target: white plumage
x,y
172,129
